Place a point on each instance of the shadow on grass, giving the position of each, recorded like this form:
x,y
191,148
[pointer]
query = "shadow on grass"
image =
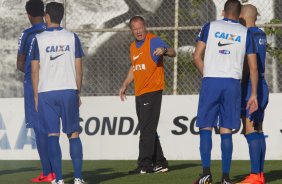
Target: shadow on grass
x,y
13,171
98,175
182,166
106,174
273,175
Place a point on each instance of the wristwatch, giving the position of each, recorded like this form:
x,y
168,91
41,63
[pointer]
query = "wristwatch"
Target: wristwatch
x,y
165,50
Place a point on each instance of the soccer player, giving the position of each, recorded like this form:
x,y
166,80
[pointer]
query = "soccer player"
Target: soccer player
x,y
56,85
225,43
35,12
147,71
253,123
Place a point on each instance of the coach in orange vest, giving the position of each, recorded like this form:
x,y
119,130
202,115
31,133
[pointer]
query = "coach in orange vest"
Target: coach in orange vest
x,y
147,71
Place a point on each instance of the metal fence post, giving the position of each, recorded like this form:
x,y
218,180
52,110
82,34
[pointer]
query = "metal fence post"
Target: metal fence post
x,y
175,47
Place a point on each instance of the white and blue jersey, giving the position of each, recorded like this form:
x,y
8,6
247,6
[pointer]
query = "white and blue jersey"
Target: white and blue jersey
x,y
227,42
24,44
56,49
262,91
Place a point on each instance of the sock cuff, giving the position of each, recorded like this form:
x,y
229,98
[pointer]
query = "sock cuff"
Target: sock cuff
x,y
226,136
261,135
205,132
252,136
74,139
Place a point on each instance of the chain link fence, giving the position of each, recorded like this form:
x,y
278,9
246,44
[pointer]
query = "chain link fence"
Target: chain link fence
x,y
102,26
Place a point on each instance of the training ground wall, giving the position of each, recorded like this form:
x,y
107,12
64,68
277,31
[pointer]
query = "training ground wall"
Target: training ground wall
x,y
109,130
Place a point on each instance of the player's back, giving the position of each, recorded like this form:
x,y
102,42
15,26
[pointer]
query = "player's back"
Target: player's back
x,y
225,49
261,43
57,60
24,43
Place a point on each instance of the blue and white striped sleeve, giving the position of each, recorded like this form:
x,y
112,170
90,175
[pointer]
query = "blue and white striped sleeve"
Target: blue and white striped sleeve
x,y
22,50
34,50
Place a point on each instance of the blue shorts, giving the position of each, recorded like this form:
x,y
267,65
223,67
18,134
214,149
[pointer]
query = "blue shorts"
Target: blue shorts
x,y
54,106
263,93
219,103
31,116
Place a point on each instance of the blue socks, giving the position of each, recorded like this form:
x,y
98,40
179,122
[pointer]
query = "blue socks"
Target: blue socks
x,y
76,156
55,156
226,150
205,149
263,150
42,148
254,142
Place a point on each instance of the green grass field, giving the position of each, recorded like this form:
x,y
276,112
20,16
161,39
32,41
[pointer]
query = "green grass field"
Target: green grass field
x,y
115,172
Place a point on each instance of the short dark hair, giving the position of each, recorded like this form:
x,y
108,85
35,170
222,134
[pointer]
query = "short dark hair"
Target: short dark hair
x,y
233,7
35,8
55,11
135,18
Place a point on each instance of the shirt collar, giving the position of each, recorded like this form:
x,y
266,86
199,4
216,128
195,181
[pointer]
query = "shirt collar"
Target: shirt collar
x,y
231,20
139,43
253,27
54,28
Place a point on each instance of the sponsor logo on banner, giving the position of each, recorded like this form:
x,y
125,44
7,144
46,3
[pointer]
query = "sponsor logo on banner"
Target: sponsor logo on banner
x,y
104,126
23,138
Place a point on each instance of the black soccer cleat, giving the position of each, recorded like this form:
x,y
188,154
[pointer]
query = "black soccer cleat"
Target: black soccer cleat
x,y
226,181
159,169
204,179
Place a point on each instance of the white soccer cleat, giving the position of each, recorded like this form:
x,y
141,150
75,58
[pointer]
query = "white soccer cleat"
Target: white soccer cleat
x,y
78,181
59,182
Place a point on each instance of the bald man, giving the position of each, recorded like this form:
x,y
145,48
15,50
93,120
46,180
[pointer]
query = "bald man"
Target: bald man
x,y
253,123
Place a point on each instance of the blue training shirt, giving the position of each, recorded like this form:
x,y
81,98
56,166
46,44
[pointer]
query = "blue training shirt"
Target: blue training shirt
x,y
24,44
154,44
250,45
261,43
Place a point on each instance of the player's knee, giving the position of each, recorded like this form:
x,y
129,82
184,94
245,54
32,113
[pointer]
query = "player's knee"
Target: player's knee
x,y
225,130
250,127
206,128
73,135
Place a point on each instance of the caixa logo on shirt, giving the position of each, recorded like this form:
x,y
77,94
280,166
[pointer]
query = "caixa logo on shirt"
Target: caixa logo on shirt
x,y
228,36
57,48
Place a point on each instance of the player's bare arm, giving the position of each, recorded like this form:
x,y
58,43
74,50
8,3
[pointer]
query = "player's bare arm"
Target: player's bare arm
x,y
198,56
252,104
129,78
35,79
20,62
161,51
79,74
